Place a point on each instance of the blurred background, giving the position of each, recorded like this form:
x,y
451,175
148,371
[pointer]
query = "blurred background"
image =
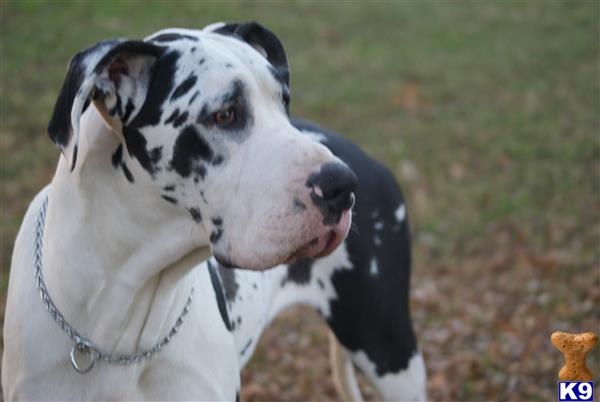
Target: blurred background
x,y
487,114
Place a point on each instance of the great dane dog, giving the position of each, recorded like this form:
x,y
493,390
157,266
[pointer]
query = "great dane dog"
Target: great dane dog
x,y
179,147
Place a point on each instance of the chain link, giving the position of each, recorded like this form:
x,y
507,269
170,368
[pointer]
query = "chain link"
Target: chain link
x,y
81,342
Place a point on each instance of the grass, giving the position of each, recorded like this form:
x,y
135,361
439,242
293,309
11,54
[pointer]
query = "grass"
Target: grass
x,y
487,113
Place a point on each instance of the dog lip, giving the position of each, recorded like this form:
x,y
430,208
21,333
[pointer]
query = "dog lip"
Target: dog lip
x,y
224,262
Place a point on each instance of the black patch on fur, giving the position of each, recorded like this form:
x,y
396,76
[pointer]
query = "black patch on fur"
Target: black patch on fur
x,y
117,161
168,198
184,87
196,215
245,348
169,188
228,65
173,116
136,145
200,170
218,221
189,147
218,287
181,119
299,272
117,156
193,49
155,155
170,37
127,172
194,96
201,62
217,160
128,110
160,85
216,234
320,283
230,286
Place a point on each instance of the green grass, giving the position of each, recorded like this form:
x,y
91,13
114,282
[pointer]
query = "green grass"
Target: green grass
x,y
486,112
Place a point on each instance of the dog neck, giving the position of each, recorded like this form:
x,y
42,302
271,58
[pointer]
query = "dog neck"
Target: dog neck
x,y
116,256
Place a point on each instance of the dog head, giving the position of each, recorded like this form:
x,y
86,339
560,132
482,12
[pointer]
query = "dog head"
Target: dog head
x,y
200,121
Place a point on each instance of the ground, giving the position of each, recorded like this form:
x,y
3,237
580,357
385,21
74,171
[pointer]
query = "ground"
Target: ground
x,y
487,113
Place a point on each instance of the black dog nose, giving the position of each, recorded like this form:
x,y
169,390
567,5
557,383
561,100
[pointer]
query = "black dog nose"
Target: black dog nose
x,y
333,190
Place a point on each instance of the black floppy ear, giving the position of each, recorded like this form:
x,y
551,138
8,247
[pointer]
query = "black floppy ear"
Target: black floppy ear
x,y
114,74
264,41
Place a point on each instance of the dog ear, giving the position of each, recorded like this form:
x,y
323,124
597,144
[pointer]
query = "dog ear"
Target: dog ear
x,y
263,40
114,74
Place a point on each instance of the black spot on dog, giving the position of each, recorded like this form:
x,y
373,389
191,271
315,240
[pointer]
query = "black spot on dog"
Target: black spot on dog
x,y
216,234
117,156
245,348
193,49
320,283
194,96
169,188
218,288
196,215
200,170
230,285
128,110
155,155
170,37
189,147
127,172
254,286
217,160
299,271
117,161
228,65
181,119
173,116
184,87
169,199
217,221
201,62
136,145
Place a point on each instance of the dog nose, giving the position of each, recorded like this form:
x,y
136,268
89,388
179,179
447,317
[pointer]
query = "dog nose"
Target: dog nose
x,y
333,189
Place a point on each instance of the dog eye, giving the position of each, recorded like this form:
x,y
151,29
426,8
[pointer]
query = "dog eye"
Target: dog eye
x,y
224,117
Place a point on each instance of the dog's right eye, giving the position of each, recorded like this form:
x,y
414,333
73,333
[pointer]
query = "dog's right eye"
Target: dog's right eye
x,y
224,117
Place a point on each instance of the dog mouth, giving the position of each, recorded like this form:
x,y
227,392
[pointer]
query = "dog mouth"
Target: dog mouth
x,y
324,244
316,247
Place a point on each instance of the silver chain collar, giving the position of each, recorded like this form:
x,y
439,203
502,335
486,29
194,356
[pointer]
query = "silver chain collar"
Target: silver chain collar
x,y
84,348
